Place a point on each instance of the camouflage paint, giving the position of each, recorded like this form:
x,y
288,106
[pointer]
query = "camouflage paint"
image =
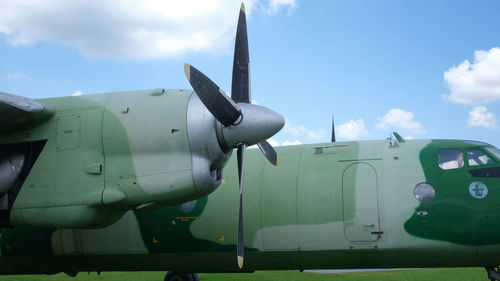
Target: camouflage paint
x,y
296,214
97,162
455,215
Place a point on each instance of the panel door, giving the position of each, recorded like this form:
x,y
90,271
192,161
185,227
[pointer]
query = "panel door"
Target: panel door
x,y
360,203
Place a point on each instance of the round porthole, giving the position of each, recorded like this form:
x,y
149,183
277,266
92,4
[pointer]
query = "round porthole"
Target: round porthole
x,y
424,192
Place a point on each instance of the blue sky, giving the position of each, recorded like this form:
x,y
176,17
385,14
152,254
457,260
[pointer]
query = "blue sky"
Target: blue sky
x,y
427,69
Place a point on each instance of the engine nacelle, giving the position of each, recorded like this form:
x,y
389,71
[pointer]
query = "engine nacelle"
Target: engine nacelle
x,y
208,155
106,154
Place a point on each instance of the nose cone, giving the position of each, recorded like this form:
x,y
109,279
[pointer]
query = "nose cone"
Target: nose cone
x,y
257,123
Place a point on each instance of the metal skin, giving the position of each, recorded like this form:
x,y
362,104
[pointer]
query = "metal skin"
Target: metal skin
x,y
109,153
330,205
256,123
144,180
207,154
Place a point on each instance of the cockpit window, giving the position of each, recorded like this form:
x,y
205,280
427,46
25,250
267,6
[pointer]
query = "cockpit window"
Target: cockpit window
x,y
450,159
477,157
494,151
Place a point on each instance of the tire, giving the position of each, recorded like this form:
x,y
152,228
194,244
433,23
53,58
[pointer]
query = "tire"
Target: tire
x,y
195,277
178,276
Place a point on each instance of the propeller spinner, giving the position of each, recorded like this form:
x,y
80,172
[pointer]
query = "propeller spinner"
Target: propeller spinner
x,y
242,123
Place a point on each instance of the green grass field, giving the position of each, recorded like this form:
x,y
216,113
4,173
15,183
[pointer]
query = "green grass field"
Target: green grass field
x,y
455,274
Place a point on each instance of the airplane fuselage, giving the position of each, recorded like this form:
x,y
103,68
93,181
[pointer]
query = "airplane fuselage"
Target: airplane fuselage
x,y
329,205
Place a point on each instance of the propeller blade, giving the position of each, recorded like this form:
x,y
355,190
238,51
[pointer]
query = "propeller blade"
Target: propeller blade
x,y
269,152
244,123
240,85
240,245
214,99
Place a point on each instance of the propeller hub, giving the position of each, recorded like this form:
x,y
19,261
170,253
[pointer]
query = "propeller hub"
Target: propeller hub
x,y
257,123
240,123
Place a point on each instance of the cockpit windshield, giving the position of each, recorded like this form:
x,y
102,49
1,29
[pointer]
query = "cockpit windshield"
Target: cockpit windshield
x,y
476,157
494,151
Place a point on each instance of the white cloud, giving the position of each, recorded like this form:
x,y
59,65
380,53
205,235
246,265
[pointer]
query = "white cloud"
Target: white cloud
x,y
301,131
276,5
352,129
77,93
399,119
480,117
128,29
476,83
273,142
291,143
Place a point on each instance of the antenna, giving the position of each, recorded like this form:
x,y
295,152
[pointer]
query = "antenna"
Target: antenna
x,y
333,129
398,137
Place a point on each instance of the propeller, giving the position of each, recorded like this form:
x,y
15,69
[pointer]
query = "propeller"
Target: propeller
x,y
242,123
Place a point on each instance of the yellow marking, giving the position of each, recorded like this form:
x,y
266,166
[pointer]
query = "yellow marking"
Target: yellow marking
x,y
155,241
221,238
186,219
240,262
277,162
223,181
188,71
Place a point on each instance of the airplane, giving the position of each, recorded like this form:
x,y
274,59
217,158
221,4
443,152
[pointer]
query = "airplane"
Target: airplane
x,y
146,180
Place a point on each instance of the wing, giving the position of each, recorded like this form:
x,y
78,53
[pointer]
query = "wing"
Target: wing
x,y
16,112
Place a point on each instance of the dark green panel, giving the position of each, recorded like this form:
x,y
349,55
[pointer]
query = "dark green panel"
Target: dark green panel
x,y
455,215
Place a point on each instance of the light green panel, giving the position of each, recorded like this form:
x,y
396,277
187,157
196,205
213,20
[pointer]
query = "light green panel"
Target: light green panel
x,y
219,218
68,131
82,216
122,237
362,178
149,120
279,202
156,136
320,213
59,176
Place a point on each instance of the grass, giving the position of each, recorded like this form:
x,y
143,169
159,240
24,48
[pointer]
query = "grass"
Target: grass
x,y
455,274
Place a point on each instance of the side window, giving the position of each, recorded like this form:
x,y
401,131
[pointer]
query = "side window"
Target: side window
x,y
476,157
450,159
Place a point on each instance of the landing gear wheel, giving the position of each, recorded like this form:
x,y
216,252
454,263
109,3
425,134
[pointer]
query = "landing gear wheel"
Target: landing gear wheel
x,y
179,276
195,277
493,273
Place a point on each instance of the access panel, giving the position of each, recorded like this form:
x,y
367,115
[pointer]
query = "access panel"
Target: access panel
x,y
360,203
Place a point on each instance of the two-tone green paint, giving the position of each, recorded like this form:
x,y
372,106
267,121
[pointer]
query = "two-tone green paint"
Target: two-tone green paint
x,y
331,205
105,154
455,215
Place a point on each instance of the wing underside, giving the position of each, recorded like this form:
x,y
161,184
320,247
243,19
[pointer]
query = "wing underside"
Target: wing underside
x,y
17,111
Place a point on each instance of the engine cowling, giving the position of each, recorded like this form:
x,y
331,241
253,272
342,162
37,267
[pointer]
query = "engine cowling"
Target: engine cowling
x,y
207,153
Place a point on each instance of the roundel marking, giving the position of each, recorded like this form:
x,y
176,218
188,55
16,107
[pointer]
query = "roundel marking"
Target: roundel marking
x,y
478,189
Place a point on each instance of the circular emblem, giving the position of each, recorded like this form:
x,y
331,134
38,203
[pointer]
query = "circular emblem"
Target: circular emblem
x,y
478,189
